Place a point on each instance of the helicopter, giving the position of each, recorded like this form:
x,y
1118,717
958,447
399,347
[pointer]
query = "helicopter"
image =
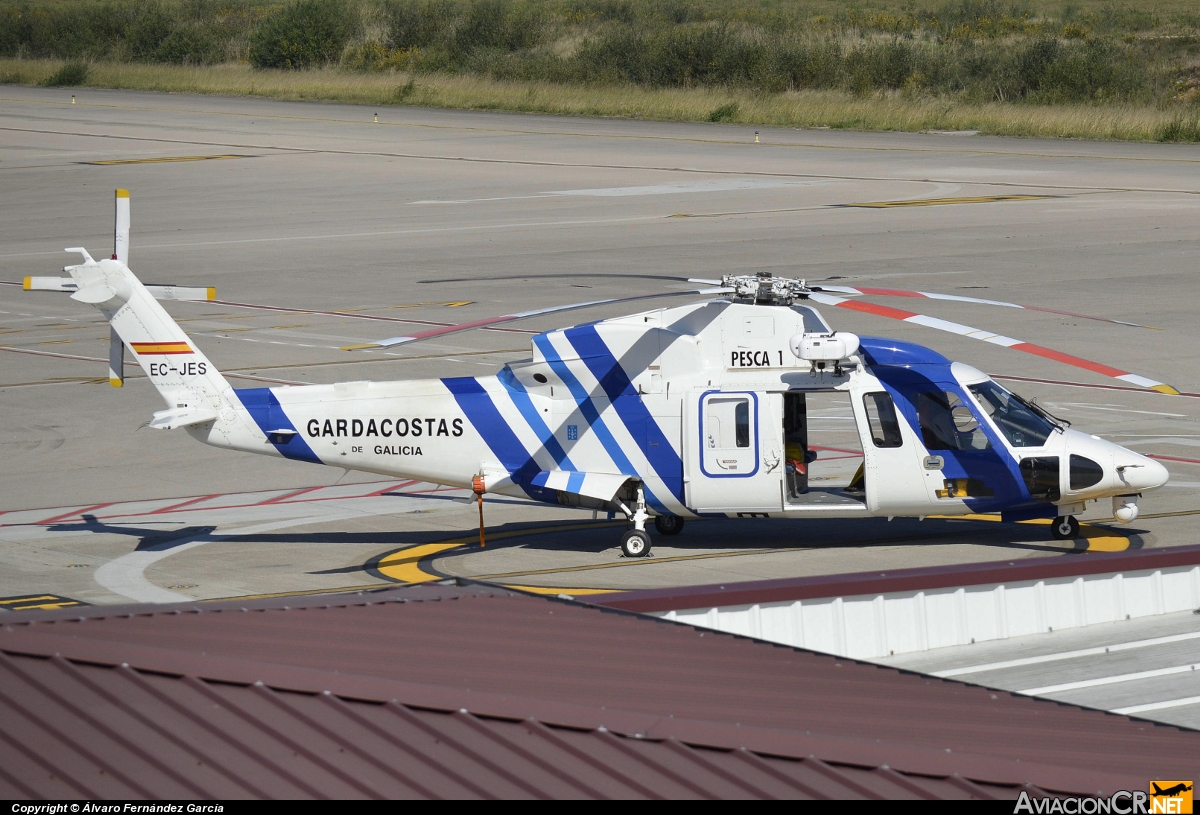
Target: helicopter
x,y
682,412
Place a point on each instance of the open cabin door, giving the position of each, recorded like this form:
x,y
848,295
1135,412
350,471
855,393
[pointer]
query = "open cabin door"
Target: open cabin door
x,y
734,461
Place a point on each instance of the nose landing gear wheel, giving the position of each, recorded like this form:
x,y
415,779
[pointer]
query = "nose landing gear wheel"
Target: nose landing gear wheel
x,y
636,543
668,524
1065,528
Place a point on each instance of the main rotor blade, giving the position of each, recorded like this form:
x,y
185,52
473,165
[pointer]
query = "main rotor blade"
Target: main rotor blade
x,y
994,339
442,331
877,292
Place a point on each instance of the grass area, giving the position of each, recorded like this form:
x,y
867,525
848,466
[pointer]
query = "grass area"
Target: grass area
x,y
805,108
1074,68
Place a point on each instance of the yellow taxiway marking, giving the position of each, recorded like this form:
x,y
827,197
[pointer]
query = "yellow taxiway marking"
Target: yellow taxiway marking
x,y
557,591
1099,538
403,565
451,304
333,590
160,160
29,602
935,202
1179,514
649,561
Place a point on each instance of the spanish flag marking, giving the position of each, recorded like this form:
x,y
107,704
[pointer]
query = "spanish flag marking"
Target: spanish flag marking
x,y
144,348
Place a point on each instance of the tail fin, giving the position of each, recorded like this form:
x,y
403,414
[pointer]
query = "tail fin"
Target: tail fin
x,y
195,392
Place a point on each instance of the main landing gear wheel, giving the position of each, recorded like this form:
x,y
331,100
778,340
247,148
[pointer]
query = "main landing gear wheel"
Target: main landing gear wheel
x,y
636,543
1065,528
668,524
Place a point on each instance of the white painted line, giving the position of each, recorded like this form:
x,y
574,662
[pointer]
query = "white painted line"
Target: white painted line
x,y
1083,652
1088,406
1189,700
1183,441
125,575
682,187
1107,680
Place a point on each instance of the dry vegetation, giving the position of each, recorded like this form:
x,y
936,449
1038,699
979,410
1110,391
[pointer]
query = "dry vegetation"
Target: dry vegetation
x,y
1093,70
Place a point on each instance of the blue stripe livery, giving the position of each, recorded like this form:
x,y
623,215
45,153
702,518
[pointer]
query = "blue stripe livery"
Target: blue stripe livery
x,y
592,416
646,433
264,408
995,467
477,404
524,404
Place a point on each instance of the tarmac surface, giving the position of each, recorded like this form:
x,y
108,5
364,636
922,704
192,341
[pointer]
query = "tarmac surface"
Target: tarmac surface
x,y
320,229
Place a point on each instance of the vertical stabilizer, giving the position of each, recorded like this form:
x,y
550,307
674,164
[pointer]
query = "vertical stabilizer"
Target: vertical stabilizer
x,y
116,349
195,392
121,228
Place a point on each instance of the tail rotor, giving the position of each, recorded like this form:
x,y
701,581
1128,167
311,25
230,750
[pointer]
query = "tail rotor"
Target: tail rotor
x,y
116,348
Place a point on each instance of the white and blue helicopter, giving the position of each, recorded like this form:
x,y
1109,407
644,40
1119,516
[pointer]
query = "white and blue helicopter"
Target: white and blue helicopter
x,y
661,416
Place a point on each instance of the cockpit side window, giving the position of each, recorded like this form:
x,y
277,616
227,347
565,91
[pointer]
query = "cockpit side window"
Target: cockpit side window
x,y
947,424
1019,422
881,419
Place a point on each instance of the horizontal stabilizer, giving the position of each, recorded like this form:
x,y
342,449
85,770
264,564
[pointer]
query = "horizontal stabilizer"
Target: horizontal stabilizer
x,y
181,417
50,284
602,486
160,292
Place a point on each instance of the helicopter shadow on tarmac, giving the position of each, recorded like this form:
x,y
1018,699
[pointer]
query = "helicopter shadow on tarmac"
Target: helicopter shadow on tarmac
x,y
148,539
751,535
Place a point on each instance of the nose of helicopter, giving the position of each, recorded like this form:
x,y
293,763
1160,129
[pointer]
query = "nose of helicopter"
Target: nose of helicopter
x,y
1140,473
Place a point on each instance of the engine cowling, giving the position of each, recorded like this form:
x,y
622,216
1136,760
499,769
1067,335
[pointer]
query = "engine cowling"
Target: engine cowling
x,y
824,347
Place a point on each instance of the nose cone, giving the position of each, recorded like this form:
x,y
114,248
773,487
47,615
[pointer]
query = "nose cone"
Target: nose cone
x,y
1139,473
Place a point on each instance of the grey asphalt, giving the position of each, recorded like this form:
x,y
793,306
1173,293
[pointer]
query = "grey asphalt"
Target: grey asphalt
x,y
442,216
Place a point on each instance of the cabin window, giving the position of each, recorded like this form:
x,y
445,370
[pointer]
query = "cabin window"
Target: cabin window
x,y
1084,472
947,424
727,422
881,419
1019,421
1041,477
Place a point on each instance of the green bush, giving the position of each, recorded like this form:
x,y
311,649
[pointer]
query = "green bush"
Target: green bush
x,y
419,24
190,44
1181,129
148,31
12,34
724,113
497,24
970,50
304,34
64,32
71,74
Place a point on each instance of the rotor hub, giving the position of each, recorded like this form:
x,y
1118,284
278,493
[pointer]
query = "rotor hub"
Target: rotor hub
x,y
763,289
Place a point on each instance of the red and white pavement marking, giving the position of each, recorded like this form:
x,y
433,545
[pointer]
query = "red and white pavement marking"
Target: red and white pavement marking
x,y
958,298
995,339
159,508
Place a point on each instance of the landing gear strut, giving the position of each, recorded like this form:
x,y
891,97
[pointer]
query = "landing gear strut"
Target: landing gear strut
x,y
636,542
1065,528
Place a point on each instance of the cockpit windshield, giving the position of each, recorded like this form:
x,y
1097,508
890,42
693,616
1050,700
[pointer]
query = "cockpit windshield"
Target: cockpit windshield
x,y
1020,422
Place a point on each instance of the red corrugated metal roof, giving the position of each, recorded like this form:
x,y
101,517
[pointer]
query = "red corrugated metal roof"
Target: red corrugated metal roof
x,y
445,691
